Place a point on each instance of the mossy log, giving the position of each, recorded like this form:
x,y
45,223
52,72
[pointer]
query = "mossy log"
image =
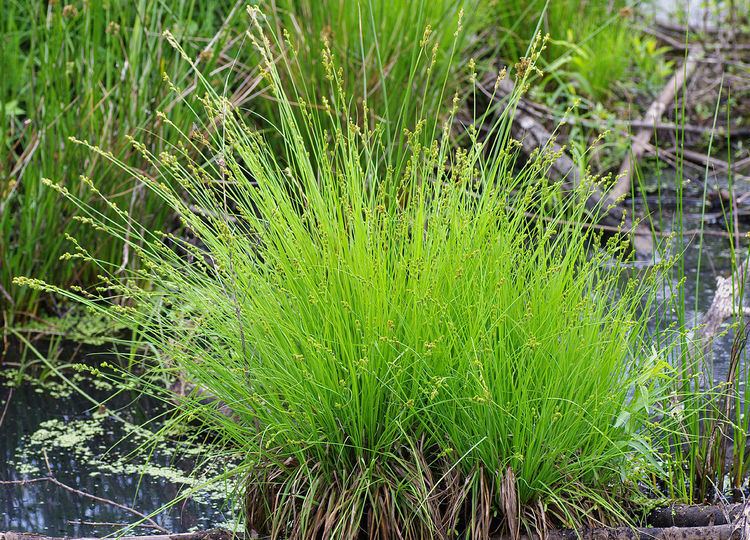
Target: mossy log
x,y
697,515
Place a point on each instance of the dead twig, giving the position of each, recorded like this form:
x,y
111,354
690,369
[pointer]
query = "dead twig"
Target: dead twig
x,y
52,480
109,502
22,482
7,404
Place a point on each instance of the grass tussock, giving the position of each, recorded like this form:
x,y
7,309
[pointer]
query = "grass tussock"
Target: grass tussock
x,y
420,349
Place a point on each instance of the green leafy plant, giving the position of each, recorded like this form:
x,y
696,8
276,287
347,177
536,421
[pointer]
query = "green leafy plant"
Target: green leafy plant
x,y
590,44
649,61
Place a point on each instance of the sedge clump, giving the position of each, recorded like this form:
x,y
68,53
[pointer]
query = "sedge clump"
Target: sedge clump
x,y
432,346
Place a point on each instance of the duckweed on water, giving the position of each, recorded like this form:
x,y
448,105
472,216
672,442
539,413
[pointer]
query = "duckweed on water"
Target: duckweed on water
x,y
51,385
72,435
84,442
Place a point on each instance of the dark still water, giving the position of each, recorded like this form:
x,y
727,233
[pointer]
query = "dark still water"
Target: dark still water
x,y
706,257
49,430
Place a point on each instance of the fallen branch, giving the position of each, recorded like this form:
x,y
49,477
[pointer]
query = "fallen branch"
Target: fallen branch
x,y
625,127
720,130
689,27
533,136
653,114
714,162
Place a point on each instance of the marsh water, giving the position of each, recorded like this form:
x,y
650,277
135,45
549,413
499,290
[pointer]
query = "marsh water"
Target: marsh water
x,y
707,256
49,430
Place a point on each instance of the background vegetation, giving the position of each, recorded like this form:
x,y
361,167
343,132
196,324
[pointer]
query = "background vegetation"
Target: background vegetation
x,y
94,71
